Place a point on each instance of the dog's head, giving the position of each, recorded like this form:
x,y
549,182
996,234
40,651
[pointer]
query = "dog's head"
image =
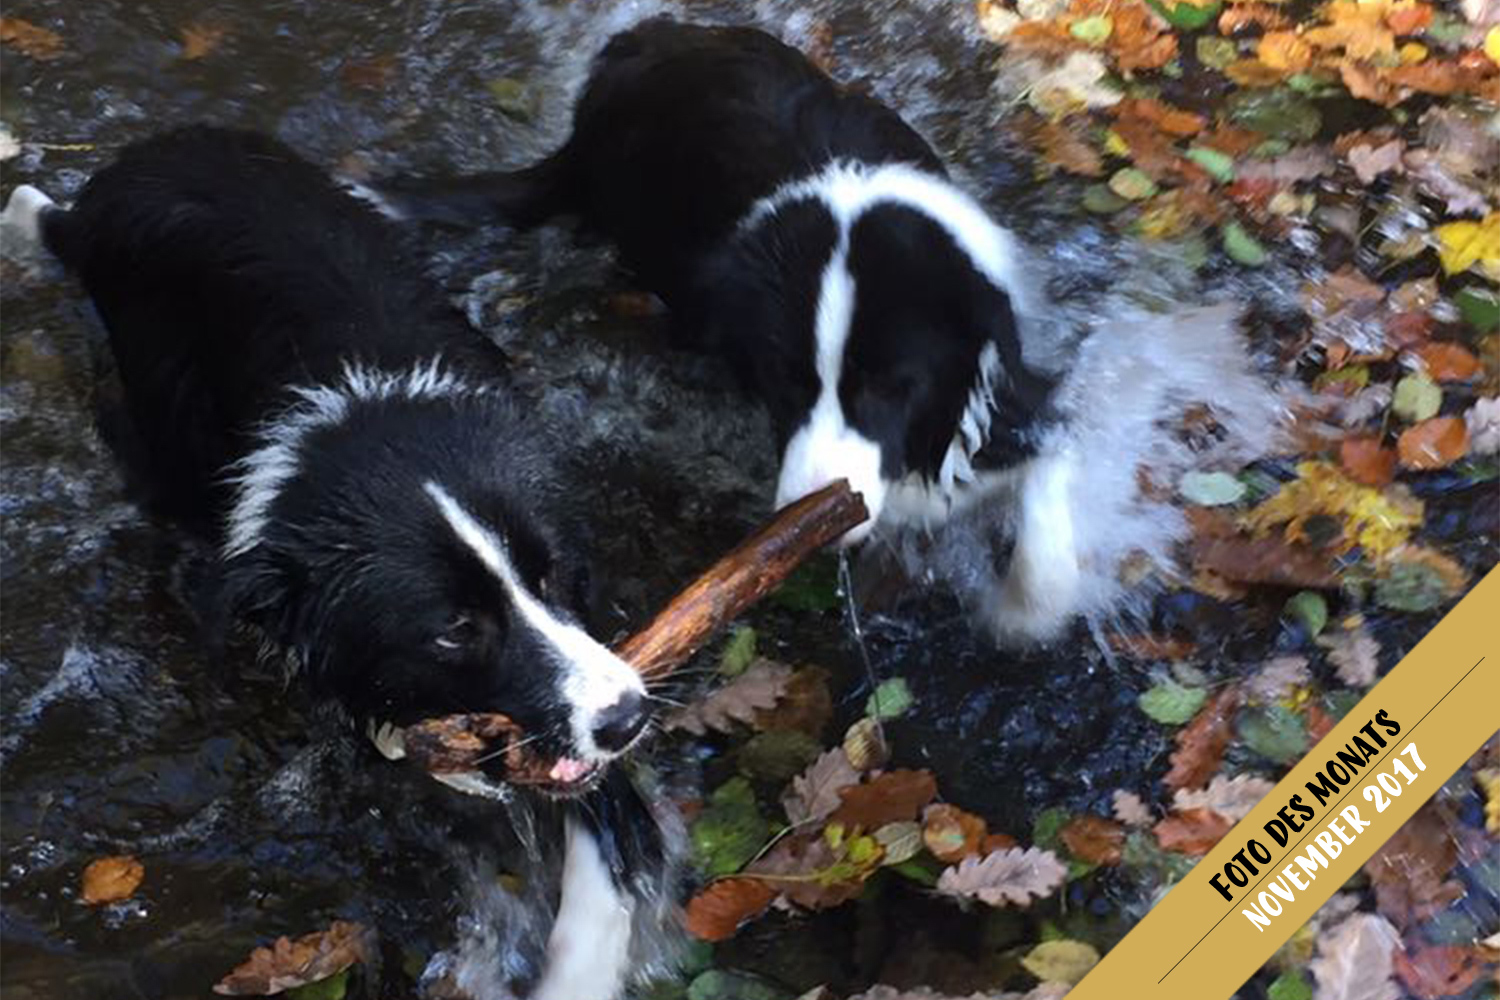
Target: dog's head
x,y
879,318
413,558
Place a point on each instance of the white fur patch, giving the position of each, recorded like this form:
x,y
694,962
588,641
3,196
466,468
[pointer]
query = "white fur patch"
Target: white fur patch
x,y
827,448
593,678
261,475
373,198
21,222
588,952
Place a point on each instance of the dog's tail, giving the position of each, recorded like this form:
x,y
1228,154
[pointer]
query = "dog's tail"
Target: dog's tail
x,y
519,198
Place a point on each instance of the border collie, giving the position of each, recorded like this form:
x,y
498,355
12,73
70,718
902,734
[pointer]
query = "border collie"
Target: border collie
x,y
384,505
812,238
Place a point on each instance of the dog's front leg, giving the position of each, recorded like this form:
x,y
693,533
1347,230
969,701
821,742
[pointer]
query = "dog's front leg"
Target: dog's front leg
x,y
588,953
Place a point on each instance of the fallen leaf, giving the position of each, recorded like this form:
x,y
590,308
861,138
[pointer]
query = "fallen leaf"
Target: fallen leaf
x,y
30,39
1379,521
109,880
1489,781
1408,17
1238,16
1232,798
815,793
1369,162
1171,120
1272,561
1012,876
1410,872
865,746
885,798
1354,654
1171,703
901,842
1356,959
950,833
811,873
805,704
1191,831
201,39
1094,839
1416,578
1463,244
728,829
1278,678
1063,961
716,913
1201,743
288,964
1284,51
1129,809
1448,362
761,686
891,699
1063,147
1483,420
1309,609
373,74
1366,460
1435,971
1433,444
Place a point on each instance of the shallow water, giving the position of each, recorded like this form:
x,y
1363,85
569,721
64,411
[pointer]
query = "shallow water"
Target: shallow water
x,y
253,816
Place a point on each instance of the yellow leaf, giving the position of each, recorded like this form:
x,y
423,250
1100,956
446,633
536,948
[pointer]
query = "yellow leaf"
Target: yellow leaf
x,y
1490,782
1412,52
1061,961
1492,44
1380,521
1463,244
1114,145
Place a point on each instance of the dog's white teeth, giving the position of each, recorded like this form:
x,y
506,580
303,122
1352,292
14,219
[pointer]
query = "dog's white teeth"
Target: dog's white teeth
x,y
389,739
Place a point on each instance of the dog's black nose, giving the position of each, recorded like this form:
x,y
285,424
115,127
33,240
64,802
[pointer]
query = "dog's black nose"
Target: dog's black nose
x,y
621,722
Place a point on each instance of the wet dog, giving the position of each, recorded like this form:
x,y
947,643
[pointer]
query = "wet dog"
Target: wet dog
x,y
812,238
385,507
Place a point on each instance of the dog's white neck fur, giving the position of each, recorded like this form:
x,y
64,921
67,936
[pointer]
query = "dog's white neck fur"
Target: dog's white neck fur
x,y
593,678
826,447
588,952
261,475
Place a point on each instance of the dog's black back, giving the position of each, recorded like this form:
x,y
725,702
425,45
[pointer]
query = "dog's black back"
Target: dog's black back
x,y
226,269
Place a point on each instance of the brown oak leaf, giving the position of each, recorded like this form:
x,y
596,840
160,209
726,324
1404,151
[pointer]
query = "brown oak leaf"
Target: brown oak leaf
x,y
287,964
716,913
1201,743
1013,876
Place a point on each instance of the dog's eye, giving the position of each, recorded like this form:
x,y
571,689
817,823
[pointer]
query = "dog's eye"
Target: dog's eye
x,y
458,634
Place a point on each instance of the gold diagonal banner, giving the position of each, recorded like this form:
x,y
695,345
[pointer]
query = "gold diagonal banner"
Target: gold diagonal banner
x,y
1366,778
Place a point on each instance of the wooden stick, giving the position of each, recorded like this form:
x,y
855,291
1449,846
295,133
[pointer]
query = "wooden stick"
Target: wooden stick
x,y
751,570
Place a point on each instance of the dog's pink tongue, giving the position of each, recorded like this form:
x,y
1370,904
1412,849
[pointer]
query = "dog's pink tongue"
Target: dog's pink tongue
x,y
568,770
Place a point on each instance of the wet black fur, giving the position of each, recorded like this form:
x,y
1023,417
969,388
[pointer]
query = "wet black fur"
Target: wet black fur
x,y
227,269
679,131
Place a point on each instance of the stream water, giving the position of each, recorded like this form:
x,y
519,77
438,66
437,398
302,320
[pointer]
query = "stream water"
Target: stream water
x,y
253,816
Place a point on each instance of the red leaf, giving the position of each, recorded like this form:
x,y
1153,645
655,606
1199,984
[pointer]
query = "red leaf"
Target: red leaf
x,y
1448,362
1192,831
1367,461
1201,743
887,798
1094,839
716,913
1440,970
1433,444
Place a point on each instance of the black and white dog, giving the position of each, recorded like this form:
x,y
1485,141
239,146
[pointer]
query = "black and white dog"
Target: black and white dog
x,y
386,508
812,238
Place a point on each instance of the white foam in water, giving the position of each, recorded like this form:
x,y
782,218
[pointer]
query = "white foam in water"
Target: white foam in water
x,y
1123,400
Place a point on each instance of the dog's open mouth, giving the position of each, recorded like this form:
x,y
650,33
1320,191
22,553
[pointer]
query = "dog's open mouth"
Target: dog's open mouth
x,y
481,753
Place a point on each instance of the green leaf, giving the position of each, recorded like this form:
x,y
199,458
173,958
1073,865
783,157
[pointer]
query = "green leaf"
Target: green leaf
x,y
739,651
1215,52
1417,398
717,984
1186,16
902,842
1211,489
1479,307
1357,376
1310,609
729,831
1061,961
1220,166
777,756
1274,731
514,97
332,988
1171,703
1093,30
1412,587
1046,829
891,699
1100,200
1447,30
1131,184
1279,113
813,586
1241,246
919,869
1290,985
